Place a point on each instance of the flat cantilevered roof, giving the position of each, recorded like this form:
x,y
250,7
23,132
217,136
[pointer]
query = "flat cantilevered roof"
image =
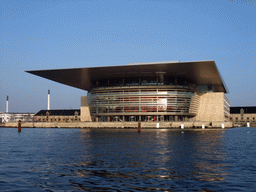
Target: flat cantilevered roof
x,y
197,72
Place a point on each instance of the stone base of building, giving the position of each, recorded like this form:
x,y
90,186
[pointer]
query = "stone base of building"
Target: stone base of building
x,y
85,114
213,107
144,125
244,124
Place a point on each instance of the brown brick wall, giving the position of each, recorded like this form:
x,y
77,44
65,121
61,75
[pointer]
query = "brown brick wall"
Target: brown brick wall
x,y
56,118
246,117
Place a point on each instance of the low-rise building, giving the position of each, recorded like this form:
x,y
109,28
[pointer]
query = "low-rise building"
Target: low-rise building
x,y
242,115
59,115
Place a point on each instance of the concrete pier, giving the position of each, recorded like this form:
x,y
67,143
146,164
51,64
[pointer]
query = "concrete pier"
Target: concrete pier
x,y
144,125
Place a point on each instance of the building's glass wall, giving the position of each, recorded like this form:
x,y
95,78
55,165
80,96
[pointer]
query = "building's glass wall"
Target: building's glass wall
x,y
128,103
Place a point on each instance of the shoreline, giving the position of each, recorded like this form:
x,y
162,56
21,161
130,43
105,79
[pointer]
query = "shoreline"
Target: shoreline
x,y
122,125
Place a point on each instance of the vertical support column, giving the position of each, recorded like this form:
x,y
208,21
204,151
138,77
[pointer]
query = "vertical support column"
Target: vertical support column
x,y
157,99
19,126
123,101
139,100
139,126
7,104
48,105
108,102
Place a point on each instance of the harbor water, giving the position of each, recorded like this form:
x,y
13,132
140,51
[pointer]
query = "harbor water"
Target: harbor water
x,y
59,160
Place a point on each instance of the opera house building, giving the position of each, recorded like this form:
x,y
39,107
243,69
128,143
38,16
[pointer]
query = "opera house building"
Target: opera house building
x,y
157,91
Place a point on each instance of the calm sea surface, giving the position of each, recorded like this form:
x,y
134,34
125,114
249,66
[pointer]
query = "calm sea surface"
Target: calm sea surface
x,y
124,160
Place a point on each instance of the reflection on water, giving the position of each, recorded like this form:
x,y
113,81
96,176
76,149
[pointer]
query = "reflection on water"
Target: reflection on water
x,y
124,160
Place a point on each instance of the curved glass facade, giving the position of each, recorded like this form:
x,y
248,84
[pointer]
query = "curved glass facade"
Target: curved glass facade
x,y
142,102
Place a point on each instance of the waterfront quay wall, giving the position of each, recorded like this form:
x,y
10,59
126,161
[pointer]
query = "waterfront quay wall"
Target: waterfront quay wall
x,y
145,125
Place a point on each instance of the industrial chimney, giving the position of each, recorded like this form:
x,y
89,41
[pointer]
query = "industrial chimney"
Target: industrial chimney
x,y
48,108
7,100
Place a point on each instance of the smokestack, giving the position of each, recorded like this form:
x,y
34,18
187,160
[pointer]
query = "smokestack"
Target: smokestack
x,y
48,108
7,100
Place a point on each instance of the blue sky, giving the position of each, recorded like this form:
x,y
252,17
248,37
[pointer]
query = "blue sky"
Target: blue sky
x,y
44,34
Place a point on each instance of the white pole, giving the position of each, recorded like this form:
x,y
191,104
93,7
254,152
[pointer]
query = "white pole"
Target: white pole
x,y
48,108
7,100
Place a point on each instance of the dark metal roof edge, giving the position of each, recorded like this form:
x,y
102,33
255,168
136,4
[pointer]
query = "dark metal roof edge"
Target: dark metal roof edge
x,y
61,111
211,62
122,65
222,80
242,106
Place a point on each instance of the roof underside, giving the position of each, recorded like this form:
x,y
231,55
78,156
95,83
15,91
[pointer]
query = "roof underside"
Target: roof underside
x,y
197,72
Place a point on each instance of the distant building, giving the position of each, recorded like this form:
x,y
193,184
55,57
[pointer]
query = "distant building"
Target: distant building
x,y
243,114
15,117
158,91
64,115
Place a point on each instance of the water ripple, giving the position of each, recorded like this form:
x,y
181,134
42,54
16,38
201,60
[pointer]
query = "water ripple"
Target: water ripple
x,y
123,160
